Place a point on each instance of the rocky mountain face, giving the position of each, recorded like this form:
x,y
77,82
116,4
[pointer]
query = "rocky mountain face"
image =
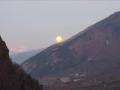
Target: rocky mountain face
x,y
93,54
12,77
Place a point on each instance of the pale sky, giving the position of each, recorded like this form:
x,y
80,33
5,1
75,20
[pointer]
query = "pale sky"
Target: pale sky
x,y
26,25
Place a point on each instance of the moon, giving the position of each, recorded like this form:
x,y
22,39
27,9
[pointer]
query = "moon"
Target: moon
x,y
59,39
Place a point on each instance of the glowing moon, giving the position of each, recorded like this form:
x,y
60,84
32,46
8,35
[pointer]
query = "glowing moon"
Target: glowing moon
x,y
59,39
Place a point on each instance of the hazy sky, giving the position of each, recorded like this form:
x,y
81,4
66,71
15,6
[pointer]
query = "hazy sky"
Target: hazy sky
x,y
28,25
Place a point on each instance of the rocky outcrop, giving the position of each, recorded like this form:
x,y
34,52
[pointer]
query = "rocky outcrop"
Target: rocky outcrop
x,y
12,77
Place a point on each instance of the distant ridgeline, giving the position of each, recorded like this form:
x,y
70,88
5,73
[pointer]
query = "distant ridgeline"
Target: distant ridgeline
x,y
12,77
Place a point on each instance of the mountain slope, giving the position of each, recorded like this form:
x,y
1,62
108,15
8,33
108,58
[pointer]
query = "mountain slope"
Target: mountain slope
x,y
91,54
12,77
21,57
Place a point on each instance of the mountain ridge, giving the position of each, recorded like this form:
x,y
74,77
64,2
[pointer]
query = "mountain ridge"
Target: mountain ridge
x,y
92,50
22,56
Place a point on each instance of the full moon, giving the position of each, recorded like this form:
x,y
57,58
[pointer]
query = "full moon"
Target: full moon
x,y
59,39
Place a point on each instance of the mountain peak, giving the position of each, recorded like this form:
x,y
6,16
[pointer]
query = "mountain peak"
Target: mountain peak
x,y
3,49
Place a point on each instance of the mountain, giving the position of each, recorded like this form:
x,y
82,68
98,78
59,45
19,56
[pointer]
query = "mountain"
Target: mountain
x,y
12,77
22,56
93,54
109,85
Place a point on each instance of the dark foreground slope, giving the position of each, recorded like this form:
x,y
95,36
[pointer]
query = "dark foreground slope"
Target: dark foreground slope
x,y
12,77
93,54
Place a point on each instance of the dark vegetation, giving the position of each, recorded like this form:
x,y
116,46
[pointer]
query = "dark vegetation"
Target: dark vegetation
x,y
12,77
